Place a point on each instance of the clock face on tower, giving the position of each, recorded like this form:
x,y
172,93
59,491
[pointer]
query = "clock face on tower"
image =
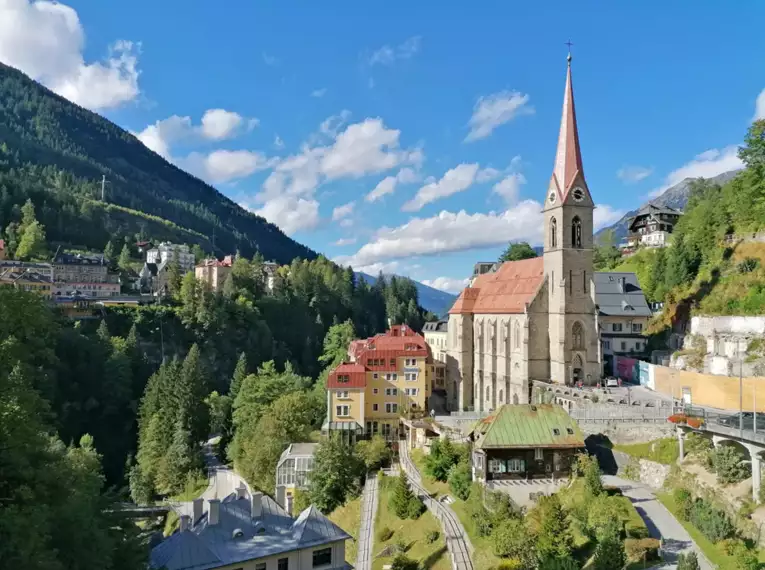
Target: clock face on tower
x,y
552,197
578,194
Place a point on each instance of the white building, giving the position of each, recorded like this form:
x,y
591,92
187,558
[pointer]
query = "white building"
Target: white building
x,y
166,252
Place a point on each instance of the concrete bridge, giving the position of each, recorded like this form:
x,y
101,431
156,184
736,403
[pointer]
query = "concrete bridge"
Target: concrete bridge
x,y
751,440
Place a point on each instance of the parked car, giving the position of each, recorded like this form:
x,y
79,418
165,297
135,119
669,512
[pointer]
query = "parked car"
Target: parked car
x,y
733,420
612,382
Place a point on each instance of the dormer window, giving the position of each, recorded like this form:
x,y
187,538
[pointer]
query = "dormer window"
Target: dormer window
x,y
343,379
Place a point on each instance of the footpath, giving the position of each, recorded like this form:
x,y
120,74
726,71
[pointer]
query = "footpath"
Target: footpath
x,y
457,541
367,528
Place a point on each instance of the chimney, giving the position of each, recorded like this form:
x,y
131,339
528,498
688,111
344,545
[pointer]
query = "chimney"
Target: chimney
x,y
185,523
213,513
241,491
256,508
196,509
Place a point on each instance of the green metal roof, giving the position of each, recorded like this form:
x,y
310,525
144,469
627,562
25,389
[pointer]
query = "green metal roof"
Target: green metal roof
x,y
528,425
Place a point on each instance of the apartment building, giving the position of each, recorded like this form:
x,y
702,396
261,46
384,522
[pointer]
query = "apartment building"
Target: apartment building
x,y
79,268
166,252
387,376
436,335
213,272
27,280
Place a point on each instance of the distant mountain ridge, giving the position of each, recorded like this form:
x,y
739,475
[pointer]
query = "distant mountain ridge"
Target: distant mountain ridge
x,y
431,299
673,197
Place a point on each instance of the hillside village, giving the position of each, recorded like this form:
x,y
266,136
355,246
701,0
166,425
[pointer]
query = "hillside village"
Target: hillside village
x,y
184,387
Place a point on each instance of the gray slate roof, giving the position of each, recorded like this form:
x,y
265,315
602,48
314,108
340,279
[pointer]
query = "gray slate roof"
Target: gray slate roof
x,y
615,297
204,546
436,326
298,450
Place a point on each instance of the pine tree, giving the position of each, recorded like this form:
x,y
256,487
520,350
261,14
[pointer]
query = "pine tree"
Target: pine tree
x,y
402,496
554,539
178,462
103,332
109,252
12,238
229,289
609,554
124,260
192,390
240,373
28,216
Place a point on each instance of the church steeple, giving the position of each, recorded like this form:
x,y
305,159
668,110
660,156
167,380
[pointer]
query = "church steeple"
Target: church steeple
x,y
568,158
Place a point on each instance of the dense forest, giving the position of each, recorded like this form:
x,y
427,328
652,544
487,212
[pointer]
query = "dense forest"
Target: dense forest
x,y
702,271
141,388
56,153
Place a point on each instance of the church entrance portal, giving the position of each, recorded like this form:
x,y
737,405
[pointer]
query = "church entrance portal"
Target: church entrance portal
x,y
577,370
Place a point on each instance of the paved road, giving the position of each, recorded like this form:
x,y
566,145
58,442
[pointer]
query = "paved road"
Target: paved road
x,y
457,541
367,529
661,523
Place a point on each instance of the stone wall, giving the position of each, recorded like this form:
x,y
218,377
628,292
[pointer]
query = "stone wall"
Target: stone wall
x,y
653,474
626,433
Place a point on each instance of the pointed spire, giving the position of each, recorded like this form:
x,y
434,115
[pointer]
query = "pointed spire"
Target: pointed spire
x,y
568,158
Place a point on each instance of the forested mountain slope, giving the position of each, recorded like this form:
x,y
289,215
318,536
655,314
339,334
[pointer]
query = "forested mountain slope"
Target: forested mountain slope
x,y
56,153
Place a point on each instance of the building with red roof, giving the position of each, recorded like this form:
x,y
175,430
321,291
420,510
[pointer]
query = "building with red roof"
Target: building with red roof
x,y
385,377
533,319
214,272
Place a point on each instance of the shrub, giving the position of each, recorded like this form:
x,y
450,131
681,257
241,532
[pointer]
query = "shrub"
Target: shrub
x,y
511,539
712,523
688,561
744,558
728,464
696,444
432,536
460,480
632,470
375,452
480,515
443,456
684,502
402,562
642,549
416,508
384,534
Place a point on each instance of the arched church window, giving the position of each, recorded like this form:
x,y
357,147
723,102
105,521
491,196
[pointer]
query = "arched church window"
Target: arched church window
x,y
517,333
553,233
577,333
576,232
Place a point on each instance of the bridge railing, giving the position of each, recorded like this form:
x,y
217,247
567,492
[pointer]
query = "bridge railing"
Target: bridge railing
x,y
609,413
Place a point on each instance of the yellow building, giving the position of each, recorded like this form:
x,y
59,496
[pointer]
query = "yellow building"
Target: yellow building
x,y
26,281
388,377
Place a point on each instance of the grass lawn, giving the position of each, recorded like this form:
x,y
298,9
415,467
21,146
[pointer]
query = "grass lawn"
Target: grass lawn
x,y
664,450
348,518
433,556
483,556
711,550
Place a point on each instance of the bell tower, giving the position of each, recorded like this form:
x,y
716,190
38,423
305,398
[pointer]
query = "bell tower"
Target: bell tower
x,y
568,248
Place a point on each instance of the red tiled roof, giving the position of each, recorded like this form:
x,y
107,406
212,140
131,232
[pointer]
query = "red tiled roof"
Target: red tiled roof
x,y
508,290
228,261
356,374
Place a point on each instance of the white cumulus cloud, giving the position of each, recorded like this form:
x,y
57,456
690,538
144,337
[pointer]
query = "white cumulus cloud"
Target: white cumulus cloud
x,y
708,164
388,55
494,110
388,184
343,211
319,92
604,216
45,40
455,180
219,124
448,284
291,214
345,241
633,174
510,187
222,166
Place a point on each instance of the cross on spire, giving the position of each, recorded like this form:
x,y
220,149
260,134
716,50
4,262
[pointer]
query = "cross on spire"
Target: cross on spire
x,y
569,44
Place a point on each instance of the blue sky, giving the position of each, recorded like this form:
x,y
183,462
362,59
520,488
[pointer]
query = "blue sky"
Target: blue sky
x,y
446,113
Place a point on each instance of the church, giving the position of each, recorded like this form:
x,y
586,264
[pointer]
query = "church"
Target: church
x,y
534,319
